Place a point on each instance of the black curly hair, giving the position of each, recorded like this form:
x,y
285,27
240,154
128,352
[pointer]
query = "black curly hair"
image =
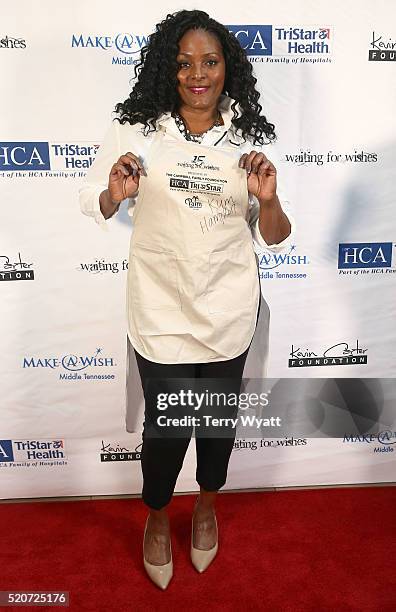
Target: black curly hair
x,y
155,91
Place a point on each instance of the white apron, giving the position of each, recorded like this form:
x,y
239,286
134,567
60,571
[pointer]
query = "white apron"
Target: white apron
x,y
193,288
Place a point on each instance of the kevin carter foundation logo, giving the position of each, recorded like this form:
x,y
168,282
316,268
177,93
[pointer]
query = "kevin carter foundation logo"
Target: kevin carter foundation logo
x,y
15,268
113,451
382,48
341,353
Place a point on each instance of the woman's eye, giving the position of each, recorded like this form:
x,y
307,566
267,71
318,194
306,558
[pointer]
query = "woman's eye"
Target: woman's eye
x,y
186,64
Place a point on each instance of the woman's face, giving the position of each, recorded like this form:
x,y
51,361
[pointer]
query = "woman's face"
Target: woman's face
x,y
201,69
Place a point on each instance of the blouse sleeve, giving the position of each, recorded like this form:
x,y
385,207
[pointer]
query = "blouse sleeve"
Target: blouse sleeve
x,y
97,177
254,219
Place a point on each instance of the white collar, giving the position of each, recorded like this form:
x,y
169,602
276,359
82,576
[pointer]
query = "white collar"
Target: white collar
x,y
167,122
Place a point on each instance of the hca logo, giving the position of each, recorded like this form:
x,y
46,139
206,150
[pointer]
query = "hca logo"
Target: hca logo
x,y
6,452
255,39
365,255
24,156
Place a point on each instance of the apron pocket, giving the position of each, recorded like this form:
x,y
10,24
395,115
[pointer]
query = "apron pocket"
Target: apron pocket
x,y
231,280
153,279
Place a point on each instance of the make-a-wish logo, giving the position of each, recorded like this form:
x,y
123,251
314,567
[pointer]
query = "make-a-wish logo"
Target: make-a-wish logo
x,y
127,44
32,452
117,452
340,353
274,265
365,258
74,366
15,269
381,49
384,441
280,43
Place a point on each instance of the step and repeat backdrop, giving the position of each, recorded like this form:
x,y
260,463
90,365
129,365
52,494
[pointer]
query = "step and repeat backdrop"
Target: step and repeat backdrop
x,y
326,74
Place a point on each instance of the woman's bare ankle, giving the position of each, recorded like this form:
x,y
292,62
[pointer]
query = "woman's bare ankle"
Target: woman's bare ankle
x,y
158,518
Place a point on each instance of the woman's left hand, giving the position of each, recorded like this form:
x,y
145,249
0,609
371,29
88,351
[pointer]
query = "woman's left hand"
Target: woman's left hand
x,y
261,173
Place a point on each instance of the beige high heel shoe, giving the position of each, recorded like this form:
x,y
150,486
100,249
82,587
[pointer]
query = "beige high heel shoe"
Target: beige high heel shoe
x,y
201,559
159,574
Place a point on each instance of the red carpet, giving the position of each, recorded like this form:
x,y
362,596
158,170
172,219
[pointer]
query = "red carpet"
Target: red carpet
x,y
296,550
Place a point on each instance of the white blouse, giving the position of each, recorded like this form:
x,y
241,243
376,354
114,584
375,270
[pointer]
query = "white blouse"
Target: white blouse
x,y
121,139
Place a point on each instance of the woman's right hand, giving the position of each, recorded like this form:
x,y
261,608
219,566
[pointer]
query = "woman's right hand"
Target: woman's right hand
x,y
125,176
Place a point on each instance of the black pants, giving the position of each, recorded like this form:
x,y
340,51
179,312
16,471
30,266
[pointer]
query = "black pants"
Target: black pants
x,y
162,457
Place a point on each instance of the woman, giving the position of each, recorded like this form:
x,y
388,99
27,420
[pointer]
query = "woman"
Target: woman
x,y
186,153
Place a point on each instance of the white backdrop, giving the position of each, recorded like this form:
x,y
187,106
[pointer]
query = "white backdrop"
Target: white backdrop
x,y
62,311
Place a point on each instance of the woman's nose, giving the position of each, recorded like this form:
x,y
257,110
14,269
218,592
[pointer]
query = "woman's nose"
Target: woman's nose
x,y
198,72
